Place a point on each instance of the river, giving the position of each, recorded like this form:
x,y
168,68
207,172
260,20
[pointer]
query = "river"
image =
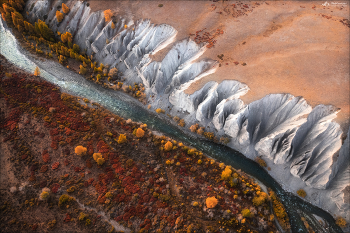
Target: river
x,y
129,108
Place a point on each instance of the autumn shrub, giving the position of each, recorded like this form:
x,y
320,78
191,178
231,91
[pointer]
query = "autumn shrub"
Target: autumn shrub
x,y
200,131
246,213
259,199
45,194
36,71
209,135
97,156
226,173
83,70
168,146
340,222
159,110
280,211
64,198
211,202
302,193
65,8
113,72
140,133
82,216
261,162
182,123
194,128
108,15
66,37
59,16
80,150
122,139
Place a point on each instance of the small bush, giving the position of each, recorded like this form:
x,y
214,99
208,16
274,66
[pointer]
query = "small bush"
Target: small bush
x,y
211,202
140,133
122,139
168,146
80,150
64,198
261,162
246,213
159,110
302,193
226,173
341,222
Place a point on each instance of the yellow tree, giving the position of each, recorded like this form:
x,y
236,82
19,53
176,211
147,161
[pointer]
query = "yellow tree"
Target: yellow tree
x,y
108,15
65,8
66,37
37,71
112,25
59,16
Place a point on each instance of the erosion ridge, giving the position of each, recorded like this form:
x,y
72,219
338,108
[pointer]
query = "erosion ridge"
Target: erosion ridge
x,y
275,126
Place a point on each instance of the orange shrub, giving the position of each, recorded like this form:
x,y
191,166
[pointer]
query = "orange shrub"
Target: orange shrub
x,y
108,15
122,139
37,71
340,222
211,202
65,8
80,150
140,133
301,192
59,16
168,146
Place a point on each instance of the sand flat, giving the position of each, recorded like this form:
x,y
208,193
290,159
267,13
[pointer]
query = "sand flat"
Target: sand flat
x,y
300,48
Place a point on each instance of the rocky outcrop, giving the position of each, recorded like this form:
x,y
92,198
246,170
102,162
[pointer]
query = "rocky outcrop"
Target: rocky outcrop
x,y
314,145
341,172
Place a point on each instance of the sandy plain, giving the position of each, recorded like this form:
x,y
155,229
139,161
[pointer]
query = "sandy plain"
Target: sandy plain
x,y
295,47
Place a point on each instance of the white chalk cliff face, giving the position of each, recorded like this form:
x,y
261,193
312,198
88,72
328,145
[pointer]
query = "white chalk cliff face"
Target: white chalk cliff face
x,y
276,127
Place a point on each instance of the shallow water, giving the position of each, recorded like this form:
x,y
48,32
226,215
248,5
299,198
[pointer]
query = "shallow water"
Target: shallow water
x,y
127,107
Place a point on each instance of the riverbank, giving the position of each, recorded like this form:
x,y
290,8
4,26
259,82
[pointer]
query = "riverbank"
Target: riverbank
x,y
140,175
69,81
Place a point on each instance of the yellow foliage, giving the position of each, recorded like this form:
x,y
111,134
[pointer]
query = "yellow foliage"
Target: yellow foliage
x,y
108,15
66,37
194,128
80,150
97,156
340,222
140,133
211,202
112,25
260,198
44,195
199,161
59,16
100,161
182,123
65,8
159,110
301,192
168,146
109,195
246,213
36,71
122,139
226,173
195,203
